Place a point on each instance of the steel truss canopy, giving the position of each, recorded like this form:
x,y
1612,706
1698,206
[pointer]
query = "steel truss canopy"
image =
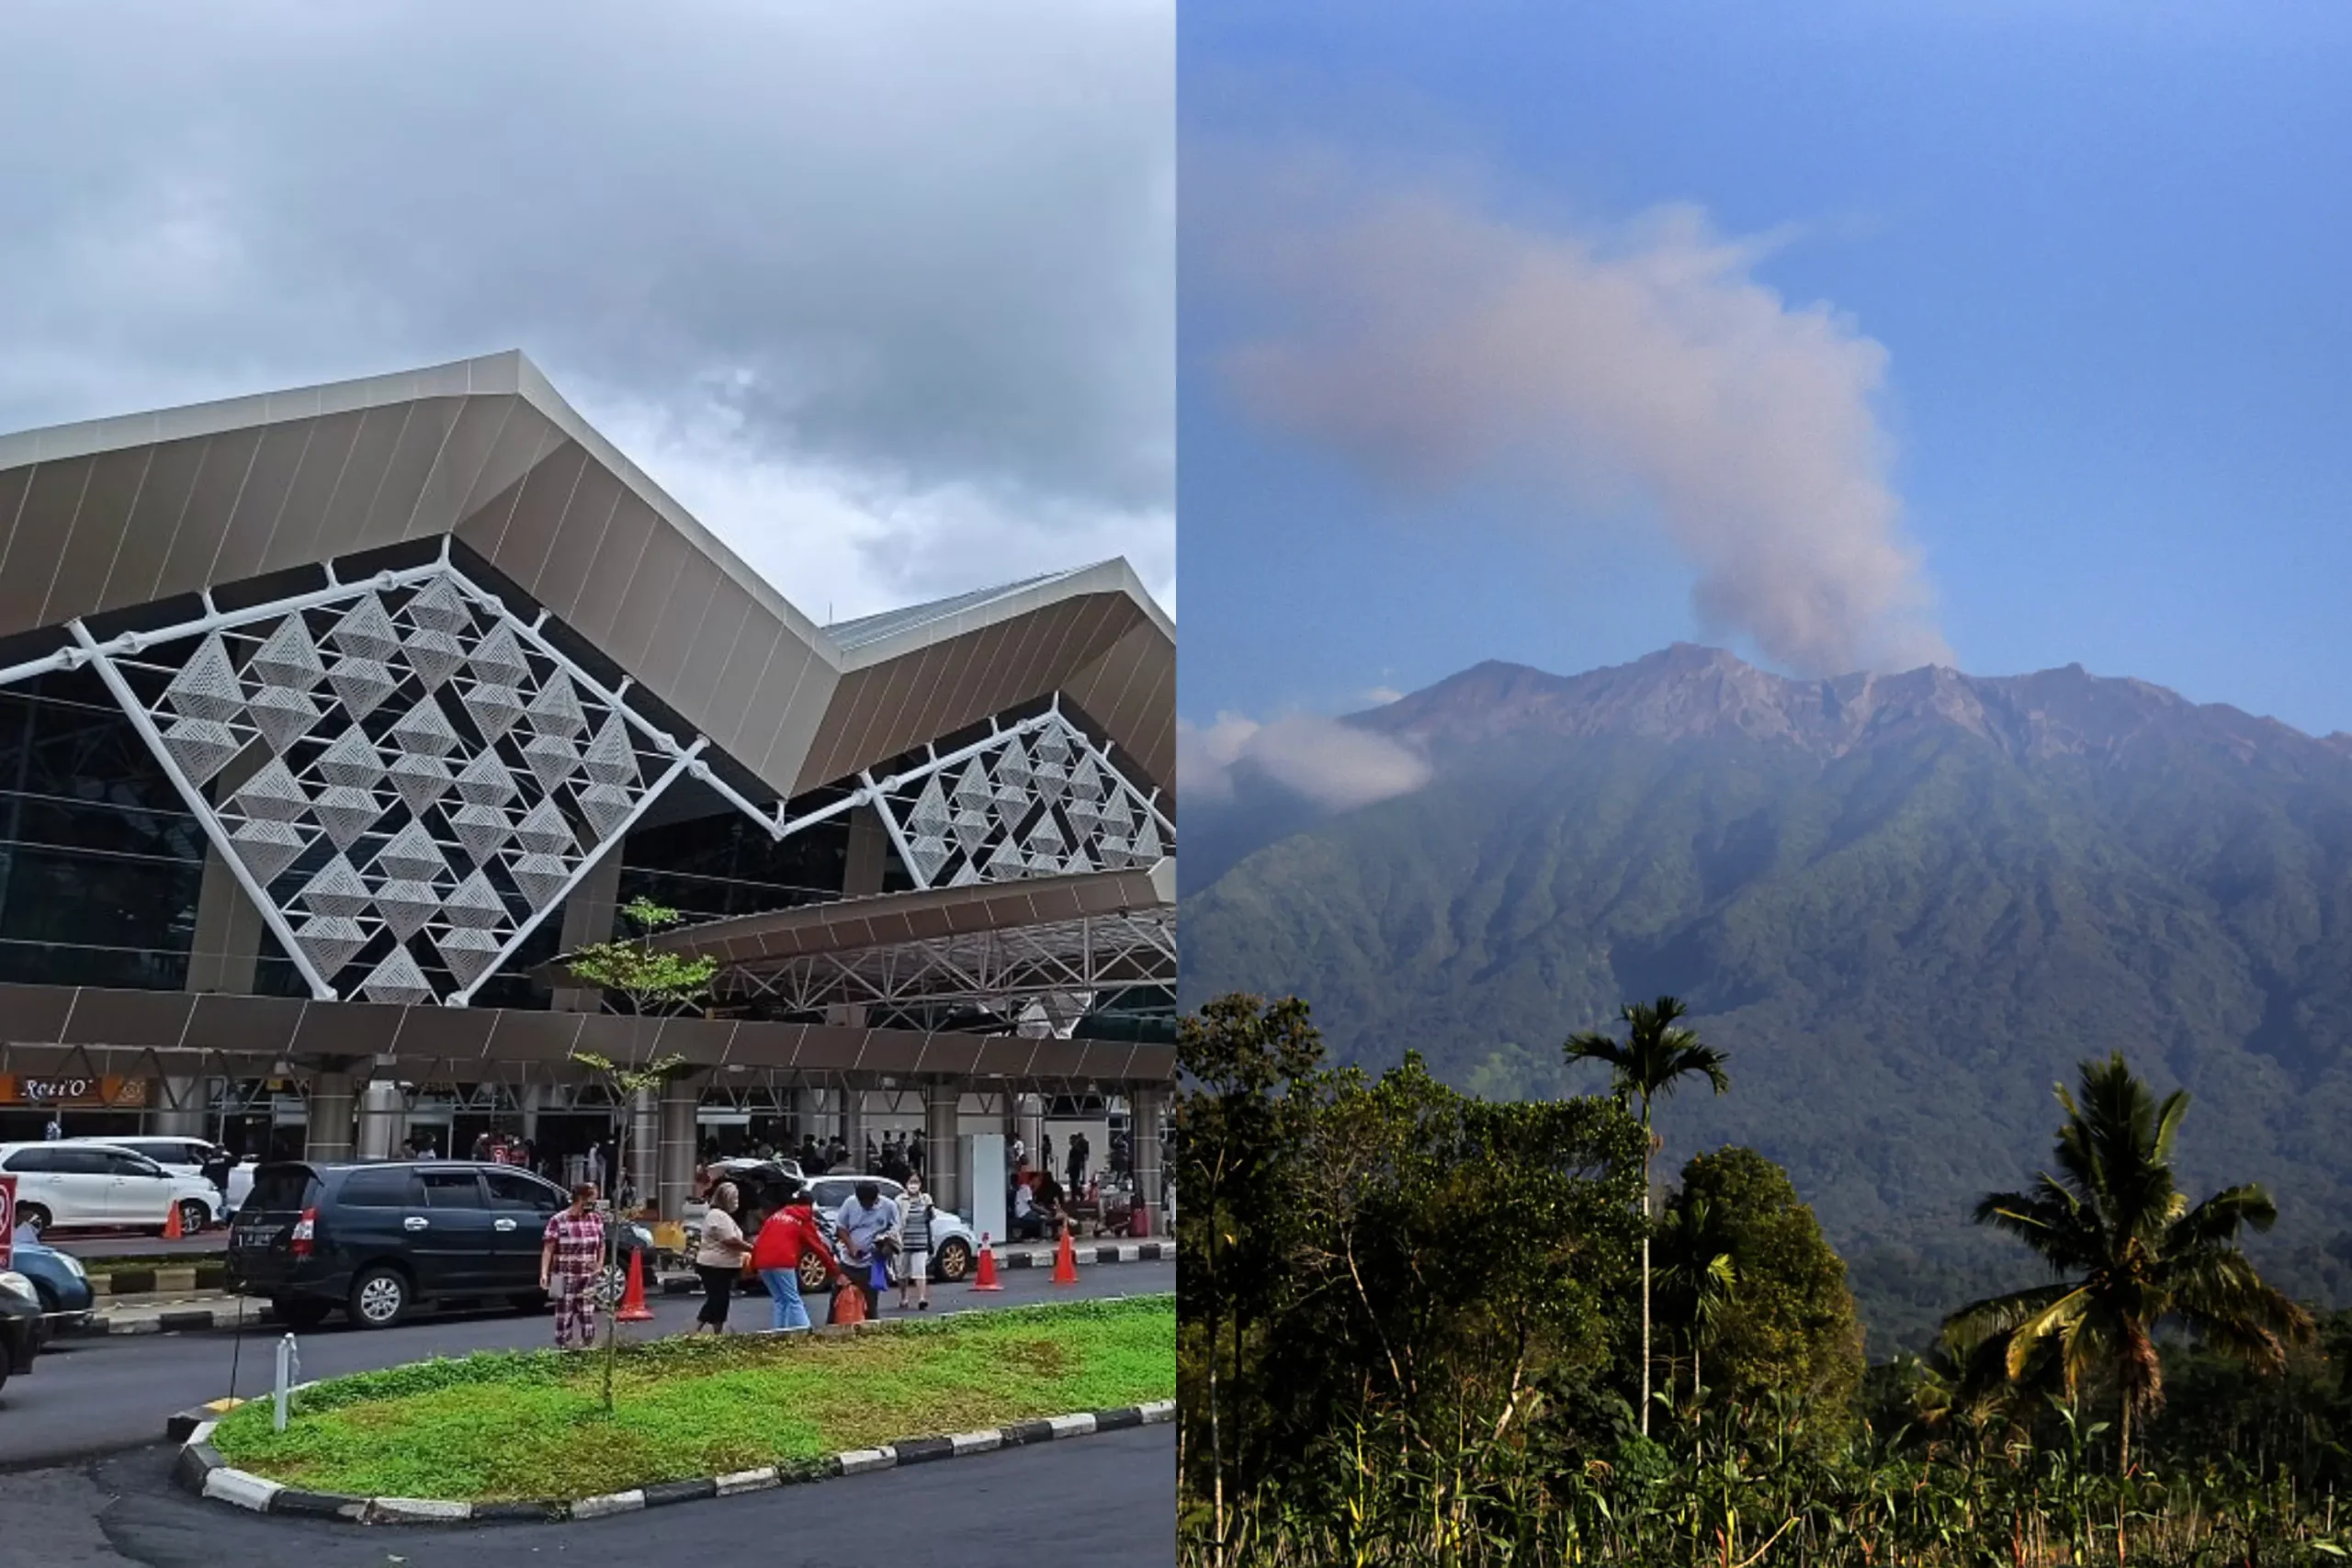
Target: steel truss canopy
x,y
1035,953
408,767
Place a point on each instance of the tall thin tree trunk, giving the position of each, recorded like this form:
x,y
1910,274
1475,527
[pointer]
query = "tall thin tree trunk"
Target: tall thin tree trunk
x,y
613,1259
1648,1148
1216,1350
1645,1315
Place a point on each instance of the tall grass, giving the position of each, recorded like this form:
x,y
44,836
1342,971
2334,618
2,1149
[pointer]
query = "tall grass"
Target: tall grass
x,y
1747,1487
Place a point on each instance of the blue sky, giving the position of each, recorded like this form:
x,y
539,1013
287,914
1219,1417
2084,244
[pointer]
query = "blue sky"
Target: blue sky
x,y
2084,270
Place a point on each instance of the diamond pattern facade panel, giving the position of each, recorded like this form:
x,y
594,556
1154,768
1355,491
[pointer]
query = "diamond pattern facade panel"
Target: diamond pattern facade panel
x,y
1046,803
419,782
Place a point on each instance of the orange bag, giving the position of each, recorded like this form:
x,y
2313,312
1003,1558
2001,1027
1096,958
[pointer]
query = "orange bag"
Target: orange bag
x,y
849,1304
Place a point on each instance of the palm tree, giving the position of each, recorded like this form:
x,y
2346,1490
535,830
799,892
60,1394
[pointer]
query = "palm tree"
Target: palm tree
x,y
1653,1056
1698,1275
2130,1255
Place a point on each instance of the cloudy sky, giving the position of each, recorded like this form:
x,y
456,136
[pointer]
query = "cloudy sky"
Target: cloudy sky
x,y
1845,335
884,293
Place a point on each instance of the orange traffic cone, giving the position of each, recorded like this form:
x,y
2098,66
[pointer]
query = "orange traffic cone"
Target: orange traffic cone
x,y
172,1231
986,1279
1066,1261
633,1308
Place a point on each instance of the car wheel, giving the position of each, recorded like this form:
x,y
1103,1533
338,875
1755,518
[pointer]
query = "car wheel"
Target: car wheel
x,y
380,1297
33,1217
812,1272
612,1284
953,1261
299,1313
528,1300
194,1217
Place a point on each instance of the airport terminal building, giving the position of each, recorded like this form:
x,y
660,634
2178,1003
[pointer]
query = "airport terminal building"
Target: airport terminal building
x,y
331,719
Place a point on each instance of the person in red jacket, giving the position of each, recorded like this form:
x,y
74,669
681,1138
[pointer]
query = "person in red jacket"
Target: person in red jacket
x,y
789,1232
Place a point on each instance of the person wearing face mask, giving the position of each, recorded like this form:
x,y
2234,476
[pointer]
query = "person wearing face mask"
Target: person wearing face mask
x,y
914,1246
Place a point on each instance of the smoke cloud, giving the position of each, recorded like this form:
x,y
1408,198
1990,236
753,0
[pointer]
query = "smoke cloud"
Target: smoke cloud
x,y
1332,764
1435,345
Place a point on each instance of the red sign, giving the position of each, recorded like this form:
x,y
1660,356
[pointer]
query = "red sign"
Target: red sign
x,y
8,1221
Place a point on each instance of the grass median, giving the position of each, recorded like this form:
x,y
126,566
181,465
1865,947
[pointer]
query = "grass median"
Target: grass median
x,y
509,1426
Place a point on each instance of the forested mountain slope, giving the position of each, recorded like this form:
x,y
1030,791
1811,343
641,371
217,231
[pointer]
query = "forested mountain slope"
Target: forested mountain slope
x,y
1905,905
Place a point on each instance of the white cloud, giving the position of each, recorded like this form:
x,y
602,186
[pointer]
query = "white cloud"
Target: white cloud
x,y
885,293
1335,765
1434,343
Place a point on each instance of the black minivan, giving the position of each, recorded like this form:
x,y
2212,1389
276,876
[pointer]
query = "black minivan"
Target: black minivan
x,y
376,1239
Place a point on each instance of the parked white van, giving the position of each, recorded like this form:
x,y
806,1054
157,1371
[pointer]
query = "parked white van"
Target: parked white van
x,y
69,1186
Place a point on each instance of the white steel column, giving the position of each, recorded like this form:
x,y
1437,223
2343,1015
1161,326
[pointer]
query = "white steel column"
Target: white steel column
x,y
681,1098
383,1119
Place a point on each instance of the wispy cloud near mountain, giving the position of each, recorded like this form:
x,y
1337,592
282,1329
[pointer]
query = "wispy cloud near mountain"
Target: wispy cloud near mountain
x,y
1331,764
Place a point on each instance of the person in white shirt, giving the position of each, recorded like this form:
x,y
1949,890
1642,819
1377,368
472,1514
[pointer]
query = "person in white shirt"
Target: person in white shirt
x,y
719,1259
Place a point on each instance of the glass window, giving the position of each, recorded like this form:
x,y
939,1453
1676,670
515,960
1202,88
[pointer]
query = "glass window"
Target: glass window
x,y
451,1189
100,859
282,1189
136,1165
31,1160
513,1189
83,1162
389,1187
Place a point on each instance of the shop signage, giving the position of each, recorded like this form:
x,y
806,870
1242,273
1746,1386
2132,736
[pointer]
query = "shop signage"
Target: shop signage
x,y
82,1090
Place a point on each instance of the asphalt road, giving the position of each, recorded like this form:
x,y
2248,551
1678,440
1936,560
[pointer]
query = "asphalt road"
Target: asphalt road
x,y
95,1395
1104,1498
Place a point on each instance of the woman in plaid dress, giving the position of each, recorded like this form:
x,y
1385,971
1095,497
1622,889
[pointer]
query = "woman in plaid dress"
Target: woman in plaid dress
x,y
571,1254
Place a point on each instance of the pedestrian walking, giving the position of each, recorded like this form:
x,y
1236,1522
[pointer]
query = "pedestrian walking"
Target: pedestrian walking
x,y
720,1259
790,1232
1079,1153
571,1256
868,1222
914,1246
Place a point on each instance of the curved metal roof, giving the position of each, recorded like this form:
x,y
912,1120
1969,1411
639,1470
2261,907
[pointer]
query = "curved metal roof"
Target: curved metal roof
x,y
110,515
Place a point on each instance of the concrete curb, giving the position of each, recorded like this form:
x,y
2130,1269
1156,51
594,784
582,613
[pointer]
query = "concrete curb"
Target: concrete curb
x,y
199,1469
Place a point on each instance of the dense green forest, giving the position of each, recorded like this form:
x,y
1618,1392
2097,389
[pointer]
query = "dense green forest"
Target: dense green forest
x,y
1413,1329
1912,903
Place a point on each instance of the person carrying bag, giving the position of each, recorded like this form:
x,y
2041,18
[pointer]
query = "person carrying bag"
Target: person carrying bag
x,y
790,1232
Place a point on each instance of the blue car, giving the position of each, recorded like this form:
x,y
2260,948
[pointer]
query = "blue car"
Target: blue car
x,y
66,1299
